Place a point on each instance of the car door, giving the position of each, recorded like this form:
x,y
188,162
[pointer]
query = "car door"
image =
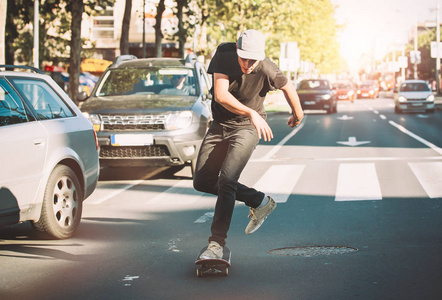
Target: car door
x,y
23,146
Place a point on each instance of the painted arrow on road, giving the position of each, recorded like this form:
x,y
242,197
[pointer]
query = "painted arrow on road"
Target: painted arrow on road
x,y
353,142
345,118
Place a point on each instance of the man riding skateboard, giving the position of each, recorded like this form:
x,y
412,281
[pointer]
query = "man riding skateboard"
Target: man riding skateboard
x,y
242,76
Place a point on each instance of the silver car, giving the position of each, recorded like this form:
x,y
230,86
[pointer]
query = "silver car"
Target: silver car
x,y
48,153
413,95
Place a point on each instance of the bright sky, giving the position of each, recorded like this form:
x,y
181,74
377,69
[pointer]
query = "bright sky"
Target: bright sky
x,y
379,26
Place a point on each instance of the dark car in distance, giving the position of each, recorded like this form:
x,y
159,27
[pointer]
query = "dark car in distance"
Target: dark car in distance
x,y
150,112
317,94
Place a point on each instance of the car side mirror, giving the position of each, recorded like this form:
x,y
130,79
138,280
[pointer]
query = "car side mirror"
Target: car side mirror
x,y
82,96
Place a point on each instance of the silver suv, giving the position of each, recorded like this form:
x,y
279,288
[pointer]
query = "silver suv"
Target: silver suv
x,y
150,112
48,152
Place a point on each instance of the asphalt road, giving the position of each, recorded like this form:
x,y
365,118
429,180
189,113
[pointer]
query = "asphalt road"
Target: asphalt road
x,y
359,212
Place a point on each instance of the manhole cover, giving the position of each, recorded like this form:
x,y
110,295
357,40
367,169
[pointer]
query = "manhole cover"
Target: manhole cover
x,y
313,250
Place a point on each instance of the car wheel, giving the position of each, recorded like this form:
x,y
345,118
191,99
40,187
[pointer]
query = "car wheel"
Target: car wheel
x,y
62,204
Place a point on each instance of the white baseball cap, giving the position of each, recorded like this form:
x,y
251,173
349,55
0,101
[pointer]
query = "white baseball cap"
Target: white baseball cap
x,y
251,45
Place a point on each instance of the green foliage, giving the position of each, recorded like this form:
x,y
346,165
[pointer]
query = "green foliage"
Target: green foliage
x,y
54,33
310,23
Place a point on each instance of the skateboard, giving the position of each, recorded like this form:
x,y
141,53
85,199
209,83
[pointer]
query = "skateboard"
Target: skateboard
x,y
213,266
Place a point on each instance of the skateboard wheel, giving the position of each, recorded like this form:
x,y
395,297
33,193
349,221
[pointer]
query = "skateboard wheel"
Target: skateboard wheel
x,y
225,271
199,273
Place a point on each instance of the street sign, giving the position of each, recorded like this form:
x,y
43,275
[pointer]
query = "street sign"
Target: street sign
x,y
403,61
434,50
415,57
289,59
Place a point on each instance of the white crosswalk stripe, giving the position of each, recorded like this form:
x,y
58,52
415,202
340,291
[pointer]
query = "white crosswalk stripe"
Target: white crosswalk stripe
x,y
429,174
279,181
354,182
357,182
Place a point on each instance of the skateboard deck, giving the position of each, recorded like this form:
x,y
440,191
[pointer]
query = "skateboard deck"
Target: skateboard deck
x,y
213,266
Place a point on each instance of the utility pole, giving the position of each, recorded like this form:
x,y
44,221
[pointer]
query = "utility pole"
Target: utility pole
x,y
415,52
36,34
438,54
144,29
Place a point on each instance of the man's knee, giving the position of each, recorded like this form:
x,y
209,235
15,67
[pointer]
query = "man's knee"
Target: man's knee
x,y
201,185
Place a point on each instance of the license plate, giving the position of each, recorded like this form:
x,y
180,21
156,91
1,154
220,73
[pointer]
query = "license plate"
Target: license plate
x,y
309,102
416,104
342,97
131,139
365,95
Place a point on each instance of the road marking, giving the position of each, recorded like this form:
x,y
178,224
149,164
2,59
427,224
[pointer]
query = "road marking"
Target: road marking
x,y
382,117
129,279
115,192
357,182
204,218
279,180
345,118
278,147
353,142
416,137
181,192
429,174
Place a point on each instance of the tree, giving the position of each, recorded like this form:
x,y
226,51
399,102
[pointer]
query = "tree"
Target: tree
x,y
310,23
77,8
158,33
124,40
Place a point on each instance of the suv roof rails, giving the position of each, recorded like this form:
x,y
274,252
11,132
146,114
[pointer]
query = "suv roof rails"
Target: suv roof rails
x,y
122,58
23,67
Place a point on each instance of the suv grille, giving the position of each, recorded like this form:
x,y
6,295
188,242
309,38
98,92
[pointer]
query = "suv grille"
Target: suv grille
x,y
133,122
133,151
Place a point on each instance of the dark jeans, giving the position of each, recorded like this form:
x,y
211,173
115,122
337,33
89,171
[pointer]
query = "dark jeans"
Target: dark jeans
x,y
223,155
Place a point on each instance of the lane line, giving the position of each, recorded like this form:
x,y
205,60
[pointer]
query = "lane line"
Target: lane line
x,y
279,180
429,174
115,192
357,182
416,137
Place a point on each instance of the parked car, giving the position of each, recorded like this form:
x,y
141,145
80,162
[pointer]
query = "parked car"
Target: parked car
x,y
367,90
317,94
344,90
413,95
48,151
150,112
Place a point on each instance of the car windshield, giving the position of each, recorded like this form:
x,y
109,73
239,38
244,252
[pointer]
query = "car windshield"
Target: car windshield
x,y
342,86
415,87
314,85
148,81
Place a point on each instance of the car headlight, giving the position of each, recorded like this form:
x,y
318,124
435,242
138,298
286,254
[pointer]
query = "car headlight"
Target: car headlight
x,y
371,92
326,97
94,119
350,93
402,99
179,120
430,98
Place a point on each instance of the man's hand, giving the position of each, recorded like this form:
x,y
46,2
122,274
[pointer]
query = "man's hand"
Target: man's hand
x,y
261,126
292,122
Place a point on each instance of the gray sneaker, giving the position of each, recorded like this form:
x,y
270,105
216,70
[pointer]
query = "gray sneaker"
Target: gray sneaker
x,y
258,215
214,251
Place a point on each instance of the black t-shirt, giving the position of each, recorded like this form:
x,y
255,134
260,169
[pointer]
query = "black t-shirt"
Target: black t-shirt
x,y
249,89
